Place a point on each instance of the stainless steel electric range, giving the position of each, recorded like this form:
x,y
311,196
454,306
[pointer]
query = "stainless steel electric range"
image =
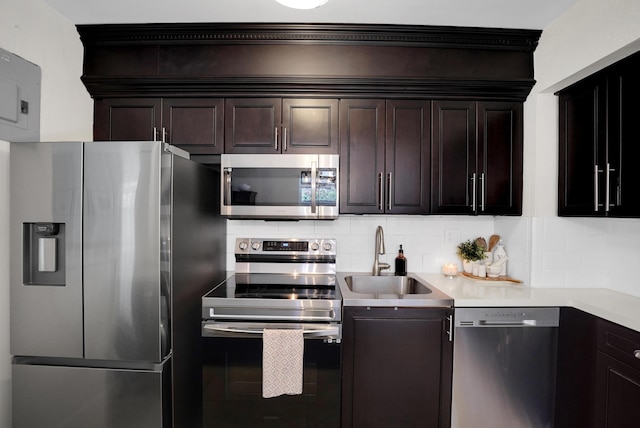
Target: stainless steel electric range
x,y
289,284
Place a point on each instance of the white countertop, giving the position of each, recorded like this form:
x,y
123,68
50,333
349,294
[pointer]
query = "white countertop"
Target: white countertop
x,y
611,305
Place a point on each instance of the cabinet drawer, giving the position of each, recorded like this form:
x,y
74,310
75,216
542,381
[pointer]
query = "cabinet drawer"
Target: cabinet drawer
x,y
619,342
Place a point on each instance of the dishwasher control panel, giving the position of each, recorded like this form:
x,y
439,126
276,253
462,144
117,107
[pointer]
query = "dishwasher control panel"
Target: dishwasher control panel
x,y
507,317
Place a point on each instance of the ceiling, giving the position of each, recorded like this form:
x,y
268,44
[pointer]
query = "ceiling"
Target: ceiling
x,y
526,14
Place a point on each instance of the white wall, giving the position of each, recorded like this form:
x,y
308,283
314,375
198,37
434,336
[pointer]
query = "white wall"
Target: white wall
x,y
568,252
34,31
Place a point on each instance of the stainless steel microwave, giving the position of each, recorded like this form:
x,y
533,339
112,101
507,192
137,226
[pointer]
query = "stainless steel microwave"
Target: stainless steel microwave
x,y
279,186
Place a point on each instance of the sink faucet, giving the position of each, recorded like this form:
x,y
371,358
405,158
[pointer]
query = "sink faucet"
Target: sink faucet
x,y
377,266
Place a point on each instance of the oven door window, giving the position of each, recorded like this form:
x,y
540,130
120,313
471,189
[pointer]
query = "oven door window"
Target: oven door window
x,y
283,187
232,387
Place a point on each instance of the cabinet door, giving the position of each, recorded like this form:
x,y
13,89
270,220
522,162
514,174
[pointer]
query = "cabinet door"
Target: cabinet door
x,y
618,388
499,185
453,163
619,392
195,125
407,157
127,119
362,156
252,125
396,368
576,394
310,126
624,143
582,132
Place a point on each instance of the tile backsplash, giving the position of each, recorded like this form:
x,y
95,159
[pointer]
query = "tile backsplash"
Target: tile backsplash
x,y
428,241
543,251
586,252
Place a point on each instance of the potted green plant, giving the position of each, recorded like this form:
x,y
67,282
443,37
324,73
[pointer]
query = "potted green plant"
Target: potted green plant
x,y
470,252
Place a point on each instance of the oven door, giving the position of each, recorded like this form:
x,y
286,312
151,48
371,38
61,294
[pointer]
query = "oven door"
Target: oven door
x,y
232,379
280,186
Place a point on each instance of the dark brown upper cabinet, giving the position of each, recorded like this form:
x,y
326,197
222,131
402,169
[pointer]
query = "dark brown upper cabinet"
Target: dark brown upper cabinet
x,y
127,119
275,125
477,154
384,156
598,143
193,124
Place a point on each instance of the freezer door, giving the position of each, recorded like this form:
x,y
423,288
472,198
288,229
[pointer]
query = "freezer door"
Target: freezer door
x,y
125,305
46,249
91,397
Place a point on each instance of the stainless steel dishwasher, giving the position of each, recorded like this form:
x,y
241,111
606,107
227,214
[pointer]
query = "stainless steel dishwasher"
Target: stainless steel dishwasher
x,y
504,367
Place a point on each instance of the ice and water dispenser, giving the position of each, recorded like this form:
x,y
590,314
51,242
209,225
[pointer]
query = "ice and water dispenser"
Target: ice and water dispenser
x,y
44,254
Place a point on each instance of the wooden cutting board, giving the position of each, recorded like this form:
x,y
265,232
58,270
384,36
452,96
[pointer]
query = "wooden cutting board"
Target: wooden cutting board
x,y
488,278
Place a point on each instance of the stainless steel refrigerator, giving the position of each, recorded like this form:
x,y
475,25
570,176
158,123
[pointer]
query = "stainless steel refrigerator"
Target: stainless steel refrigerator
x,y
113,245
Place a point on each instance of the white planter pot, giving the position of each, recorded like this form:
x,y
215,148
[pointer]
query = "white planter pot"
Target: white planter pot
x,y
468,266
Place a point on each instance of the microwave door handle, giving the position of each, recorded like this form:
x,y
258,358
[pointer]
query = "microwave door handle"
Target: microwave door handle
x,y
227,186
314,168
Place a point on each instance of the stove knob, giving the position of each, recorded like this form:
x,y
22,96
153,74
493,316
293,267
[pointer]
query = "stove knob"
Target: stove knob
x,y
255,246
327,246
315,246
243,245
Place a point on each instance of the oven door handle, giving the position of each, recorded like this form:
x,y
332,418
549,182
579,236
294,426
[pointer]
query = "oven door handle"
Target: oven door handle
x,y
241,317
311,332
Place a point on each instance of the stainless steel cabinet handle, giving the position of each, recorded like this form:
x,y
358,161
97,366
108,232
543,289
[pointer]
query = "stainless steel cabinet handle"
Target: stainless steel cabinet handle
x,y
314,169
636,353
164,134
608,203
606,190
275,139
284,140
389,186
155,134
450,331
380,192
482,186
473,192
595,187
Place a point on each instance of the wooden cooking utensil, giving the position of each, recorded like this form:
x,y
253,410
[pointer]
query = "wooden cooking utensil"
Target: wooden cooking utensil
x,y
493,241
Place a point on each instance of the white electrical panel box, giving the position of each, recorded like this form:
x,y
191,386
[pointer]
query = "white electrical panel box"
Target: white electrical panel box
x,y
19,98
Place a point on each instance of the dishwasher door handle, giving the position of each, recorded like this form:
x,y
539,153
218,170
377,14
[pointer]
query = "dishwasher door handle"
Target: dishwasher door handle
x,y
519,323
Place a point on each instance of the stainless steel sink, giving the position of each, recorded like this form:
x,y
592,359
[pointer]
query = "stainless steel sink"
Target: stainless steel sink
x,y
370,284
362,289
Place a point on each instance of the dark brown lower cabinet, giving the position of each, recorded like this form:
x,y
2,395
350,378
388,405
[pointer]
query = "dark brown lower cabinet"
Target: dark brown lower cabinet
x,y
618,368
396,367
576,371
598,383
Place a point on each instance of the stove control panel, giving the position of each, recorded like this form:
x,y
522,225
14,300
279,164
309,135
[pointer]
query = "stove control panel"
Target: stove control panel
x,y
311,246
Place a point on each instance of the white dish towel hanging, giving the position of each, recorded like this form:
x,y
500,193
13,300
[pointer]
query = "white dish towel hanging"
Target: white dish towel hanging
x,y
282,362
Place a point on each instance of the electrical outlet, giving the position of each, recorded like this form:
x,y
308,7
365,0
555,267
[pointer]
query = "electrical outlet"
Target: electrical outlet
x,y
451,236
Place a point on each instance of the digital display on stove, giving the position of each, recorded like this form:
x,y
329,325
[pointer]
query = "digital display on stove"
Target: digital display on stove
x,y
285,246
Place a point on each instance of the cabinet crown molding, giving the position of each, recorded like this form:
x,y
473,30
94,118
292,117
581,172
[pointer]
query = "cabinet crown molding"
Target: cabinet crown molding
x,y
319,60
355,34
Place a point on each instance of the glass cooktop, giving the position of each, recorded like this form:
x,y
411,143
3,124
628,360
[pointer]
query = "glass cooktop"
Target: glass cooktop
x,y
278,286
